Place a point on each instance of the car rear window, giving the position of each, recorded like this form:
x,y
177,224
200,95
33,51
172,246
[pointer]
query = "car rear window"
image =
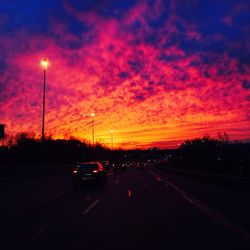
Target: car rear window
x,y
88,166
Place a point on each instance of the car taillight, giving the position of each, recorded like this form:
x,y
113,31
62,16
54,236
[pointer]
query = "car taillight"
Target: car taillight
x,y
95,171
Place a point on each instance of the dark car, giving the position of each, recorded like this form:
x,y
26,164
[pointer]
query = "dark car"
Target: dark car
x,y
88,172
106,165
119,167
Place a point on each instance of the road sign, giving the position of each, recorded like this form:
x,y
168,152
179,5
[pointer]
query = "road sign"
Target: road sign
x,y
1,131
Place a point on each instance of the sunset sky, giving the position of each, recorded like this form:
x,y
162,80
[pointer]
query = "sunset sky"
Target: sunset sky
x,y
155,72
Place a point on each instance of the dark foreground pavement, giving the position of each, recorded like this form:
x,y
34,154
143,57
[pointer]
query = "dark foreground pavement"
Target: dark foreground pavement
x,y
136,209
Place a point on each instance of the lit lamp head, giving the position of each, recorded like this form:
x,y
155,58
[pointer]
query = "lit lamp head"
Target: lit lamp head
x,y
111,131
92,114
44,63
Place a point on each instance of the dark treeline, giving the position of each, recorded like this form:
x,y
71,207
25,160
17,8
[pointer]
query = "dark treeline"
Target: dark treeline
x,y
213,155
24,148
202,154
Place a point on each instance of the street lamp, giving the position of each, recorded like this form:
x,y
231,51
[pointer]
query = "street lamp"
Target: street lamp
x,y
112,135
92,125
44,64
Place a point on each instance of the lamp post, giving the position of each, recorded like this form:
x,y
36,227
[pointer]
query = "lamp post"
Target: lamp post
x,y
92,125
44,63
112,137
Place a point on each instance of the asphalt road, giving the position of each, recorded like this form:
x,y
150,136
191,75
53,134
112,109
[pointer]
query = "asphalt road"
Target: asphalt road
x,y
136,209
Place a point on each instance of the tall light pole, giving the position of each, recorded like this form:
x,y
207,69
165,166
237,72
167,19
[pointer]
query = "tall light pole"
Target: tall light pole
x,y
112,137
92,125
44,63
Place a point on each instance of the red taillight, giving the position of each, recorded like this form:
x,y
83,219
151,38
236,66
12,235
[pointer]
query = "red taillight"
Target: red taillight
x,y
95,171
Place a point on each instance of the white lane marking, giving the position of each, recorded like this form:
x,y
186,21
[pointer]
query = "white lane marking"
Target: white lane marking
x,y
87,199
208,210
39,203
188,199
157,178
87,210
177,189
39,232
155,175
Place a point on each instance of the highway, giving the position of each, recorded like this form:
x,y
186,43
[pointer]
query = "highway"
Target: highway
x,y
136,209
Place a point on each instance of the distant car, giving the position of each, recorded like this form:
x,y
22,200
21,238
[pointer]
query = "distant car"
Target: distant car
x,y
140,165
119,167
130,164
87,172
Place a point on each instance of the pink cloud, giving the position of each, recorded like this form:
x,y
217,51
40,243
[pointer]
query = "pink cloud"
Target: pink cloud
x,y
146,98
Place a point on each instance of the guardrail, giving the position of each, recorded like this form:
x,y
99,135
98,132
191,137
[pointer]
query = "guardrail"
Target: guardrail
x,y
235,181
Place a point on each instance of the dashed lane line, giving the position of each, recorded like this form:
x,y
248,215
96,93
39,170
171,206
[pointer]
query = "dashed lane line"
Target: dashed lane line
x,y
87,210
39,233
23,210
87,199
158,178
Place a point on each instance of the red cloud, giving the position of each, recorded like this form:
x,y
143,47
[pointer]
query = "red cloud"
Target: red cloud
x,y
149,93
